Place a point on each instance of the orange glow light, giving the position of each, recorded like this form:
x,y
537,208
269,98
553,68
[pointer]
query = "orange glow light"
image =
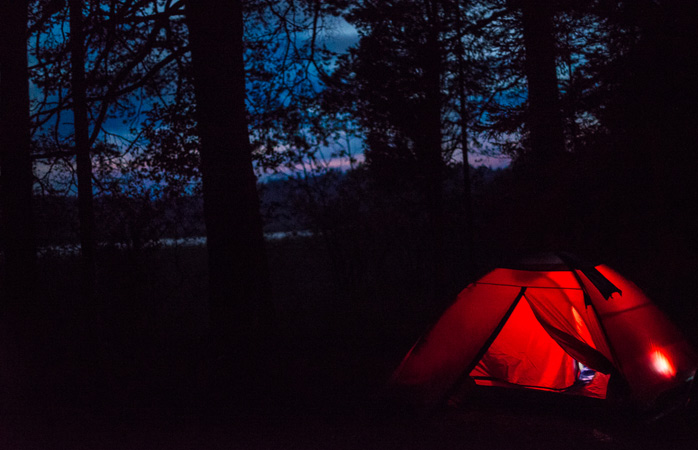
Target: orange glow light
x,y
662,364
578,321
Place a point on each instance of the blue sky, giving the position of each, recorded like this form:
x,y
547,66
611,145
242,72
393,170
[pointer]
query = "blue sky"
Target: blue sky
x,y
337,35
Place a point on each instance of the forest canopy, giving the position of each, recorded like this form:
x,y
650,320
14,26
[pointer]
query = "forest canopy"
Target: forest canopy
x,y
402,144
593,104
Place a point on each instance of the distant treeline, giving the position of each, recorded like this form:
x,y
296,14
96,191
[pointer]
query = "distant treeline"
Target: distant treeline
x,y
288,204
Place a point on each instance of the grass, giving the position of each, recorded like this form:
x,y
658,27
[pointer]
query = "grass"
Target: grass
x,y
340,336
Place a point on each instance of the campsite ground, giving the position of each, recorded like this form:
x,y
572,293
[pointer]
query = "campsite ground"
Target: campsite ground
x,y
338,342
498,425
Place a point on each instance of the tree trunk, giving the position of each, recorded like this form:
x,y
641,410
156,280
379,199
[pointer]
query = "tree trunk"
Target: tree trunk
x,y
429,145
18,238
82,149
19,328
544,206
544,115
238,275
467,189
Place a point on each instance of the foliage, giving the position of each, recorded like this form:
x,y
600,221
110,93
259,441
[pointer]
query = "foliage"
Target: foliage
x,y
624,192
306,102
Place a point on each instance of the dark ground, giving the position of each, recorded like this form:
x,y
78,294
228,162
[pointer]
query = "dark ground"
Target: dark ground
x,y
484,424
337,344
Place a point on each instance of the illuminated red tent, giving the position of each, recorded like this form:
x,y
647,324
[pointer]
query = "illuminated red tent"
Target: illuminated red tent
x,y
550,323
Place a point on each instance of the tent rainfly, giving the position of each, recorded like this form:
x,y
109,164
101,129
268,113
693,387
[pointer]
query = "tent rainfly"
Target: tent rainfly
x,y
551,323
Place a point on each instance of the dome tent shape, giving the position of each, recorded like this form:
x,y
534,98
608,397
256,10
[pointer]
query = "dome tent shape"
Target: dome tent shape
x,y
551,323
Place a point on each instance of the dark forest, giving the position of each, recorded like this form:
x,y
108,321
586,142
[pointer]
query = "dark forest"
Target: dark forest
x,y
224,223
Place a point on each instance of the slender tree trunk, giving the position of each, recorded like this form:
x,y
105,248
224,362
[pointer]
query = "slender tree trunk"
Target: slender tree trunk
x,y
467,189
89,314
82,148
238,274
432,159
20,330
544,114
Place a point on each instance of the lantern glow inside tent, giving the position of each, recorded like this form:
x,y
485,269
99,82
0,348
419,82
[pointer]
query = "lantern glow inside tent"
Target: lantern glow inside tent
x,y
549,323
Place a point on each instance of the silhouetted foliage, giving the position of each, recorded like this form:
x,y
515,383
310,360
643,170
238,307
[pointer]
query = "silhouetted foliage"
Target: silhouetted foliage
x,y
235,119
